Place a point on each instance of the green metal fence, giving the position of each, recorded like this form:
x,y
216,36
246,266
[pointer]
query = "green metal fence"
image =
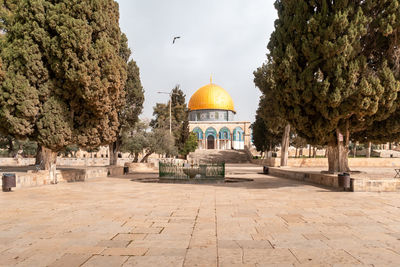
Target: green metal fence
x,y
191,171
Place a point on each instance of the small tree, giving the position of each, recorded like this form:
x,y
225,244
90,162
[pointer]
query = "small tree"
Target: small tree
x,y
159,142
134,142
190,145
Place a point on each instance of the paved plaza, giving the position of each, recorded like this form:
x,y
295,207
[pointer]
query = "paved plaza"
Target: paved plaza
x,y
267,222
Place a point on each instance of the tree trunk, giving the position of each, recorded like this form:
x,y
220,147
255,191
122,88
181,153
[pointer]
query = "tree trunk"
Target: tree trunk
x,y
368,154
309,151
145,158
38,158
136,157
47,158
295,154
314,152
114,149
285,146
10,146
337,154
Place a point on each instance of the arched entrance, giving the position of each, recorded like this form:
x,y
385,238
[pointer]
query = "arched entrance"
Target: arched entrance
x,y
211,138
210,142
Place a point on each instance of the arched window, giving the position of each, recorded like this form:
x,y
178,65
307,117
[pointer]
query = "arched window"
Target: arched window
x,y
224,134
199,133
238,134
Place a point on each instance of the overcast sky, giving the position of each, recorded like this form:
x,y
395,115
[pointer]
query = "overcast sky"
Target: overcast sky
x,y
223,38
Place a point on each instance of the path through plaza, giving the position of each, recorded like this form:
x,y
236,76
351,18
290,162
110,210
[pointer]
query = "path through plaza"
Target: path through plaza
x,y
270,221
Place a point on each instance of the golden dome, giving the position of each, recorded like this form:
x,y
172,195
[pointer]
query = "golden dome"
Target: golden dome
x,y
211,96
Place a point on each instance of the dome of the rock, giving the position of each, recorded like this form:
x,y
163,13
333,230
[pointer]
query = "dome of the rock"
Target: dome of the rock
x,y
211,97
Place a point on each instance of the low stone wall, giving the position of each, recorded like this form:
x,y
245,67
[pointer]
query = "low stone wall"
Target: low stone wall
x,y
317,178
141,167
115,170
78,162
96,172
90,161
323,162
83,161
330,180
38,178
17,162
381,185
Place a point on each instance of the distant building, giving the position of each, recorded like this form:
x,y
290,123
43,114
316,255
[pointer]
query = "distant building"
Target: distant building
x,y
212,119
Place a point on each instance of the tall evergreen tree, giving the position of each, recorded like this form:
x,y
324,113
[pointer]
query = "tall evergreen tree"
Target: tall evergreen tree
x,y
128,116
180,119
64,76
269,115
332,81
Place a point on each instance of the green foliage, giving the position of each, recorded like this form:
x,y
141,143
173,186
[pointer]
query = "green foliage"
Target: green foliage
x,y
7,7
190,145
128,116
64,76
269,124
11,146
334,66
29,148
70,151
140,140
180,122
135,141
161,142
298,142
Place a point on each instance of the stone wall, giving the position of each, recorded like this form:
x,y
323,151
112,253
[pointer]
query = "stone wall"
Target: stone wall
x,y
64,161
38,178
323,162
141,167
17,162
330,180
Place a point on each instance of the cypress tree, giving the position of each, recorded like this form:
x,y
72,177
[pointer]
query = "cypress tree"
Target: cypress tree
x,y
180,118
332,82
269,116
128,116
64,76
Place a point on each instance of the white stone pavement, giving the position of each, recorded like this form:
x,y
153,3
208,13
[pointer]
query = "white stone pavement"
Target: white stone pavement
x,y
267,222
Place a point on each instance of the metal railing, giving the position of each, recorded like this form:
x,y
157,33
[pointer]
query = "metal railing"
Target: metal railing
x,y
191,171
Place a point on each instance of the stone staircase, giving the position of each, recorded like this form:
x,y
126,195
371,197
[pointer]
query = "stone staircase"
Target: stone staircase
x,y
213,155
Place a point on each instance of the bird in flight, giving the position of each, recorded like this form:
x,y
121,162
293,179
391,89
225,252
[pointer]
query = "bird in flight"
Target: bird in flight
x,y
177,37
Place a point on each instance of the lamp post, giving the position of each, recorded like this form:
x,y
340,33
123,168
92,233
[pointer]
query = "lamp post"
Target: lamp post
x,y
170,116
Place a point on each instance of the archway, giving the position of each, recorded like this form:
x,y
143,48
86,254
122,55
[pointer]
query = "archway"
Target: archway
x,y
238,138
210,142
199,134
224,138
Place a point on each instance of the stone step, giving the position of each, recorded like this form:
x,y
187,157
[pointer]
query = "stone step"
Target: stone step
x,y
213,155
